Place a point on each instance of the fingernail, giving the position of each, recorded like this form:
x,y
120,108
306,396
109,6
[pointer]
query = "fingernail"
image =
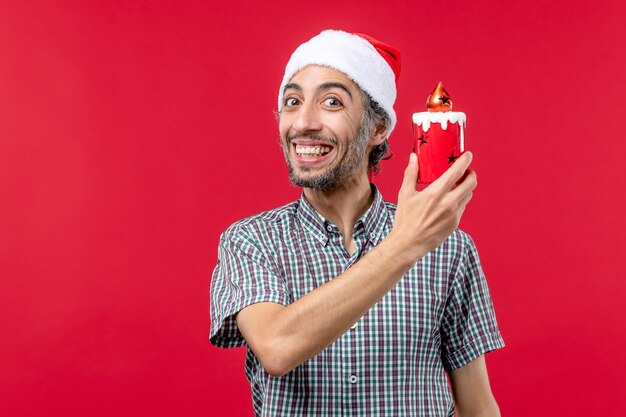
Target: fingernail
x,y
412,158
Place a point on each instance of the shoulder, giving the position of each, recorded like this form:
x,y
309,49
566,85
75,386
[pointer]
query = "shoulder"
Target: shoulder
x,y
460,241
455,250
261,224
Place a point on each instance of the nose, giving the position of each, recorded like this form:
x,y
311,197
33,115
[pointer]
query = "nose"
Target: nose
x,y
307,118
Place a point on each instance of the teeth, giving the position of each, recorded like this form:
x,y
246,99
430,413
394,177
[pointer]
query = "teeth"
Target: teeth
x,y
312,150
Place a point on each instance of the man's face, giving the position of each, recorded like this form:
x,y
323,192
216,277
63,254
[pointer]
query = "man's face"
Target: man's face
x,y
320,129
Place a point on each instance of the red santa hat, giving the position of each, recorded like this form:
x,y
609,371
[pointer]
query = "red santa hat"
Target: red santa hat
x,y
372,65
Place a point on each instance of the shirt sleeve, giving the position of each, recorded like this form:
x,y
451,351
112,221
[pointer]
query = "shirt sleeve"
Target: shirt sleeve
x,y
243,276
469,327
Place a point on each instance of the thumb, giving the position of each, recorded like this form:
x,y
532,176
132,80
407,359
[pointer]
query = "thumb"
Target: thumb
x,y
410,175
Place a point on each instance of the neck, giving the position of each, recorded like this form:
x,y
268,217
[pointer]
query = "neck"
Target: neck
x,y
343,206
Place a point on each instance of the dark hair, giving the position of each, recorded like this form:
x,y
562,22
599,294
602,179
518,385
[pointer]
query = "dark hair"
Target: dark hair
x,y
373,117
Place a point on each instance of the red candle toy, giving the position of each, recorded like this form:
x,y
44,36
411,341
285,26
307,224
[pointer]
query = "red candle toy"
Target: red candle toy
x,y
438,136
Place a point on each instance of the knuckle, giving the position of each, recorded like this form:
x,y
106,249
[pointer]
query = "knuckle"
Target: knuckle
x,y
449,208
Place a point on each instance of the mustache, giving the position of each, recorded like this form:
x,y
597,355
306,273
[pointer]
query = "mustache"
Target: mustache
x,y
313,136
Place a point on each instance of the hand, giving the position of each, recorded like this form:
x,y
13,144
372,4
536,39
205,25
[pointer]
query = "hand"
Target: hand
x,y
426,218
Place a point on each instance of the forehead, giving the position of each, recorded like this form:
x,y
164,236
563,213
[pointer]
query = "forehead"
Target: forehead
x,y
314,76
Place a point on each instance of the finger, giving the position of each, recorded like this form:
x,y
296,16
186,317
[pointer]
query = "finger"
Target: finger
x,y
455,172
466,199
466,184
410,175
459,213
463,204
460,180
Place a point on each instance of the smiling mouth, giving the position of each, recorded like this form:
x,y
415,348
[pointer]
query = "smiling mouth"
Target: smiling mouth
x,y
312,151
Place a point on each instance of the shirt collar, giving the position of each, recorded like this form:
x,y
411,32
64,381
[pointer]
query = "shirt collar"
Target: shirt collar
x,y
372,221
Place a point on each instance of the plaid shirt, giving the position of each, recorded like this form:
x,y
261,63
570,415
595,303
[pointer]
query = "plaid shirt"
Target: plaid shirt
x,y
393,361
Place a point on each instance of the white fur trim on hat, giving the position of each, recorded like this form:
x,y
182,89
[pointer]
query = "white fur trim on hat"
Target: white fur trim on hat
x,y
353,56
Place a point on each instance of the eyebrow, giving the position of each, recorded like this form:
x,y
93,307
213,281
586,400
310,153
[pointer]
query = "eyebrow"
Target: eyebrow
x,y
334,84
324,86
293,86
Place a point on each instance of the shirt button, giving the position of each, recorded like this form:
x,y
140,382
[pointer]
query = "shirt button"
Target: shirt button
x,y
329,228
353,379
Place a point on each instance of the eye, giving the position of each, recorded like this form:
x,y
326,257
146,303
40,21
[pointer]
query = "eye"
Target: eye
x,y
333,102
291,101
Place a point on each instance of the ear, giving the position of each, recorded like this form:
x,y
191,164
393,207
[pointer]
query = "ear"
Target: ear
x,y
379,135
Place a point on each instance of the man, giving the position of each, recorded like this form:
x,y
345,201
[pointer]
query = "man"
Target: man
x,y
349,305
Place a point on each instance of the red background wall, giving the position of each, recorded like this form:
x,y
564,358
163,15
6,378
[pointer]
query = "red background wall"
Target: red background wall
x,y
133,132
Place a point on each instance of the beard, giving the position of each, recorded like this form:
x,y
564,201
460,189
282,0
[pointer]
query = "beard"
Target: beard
x,y
340,171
